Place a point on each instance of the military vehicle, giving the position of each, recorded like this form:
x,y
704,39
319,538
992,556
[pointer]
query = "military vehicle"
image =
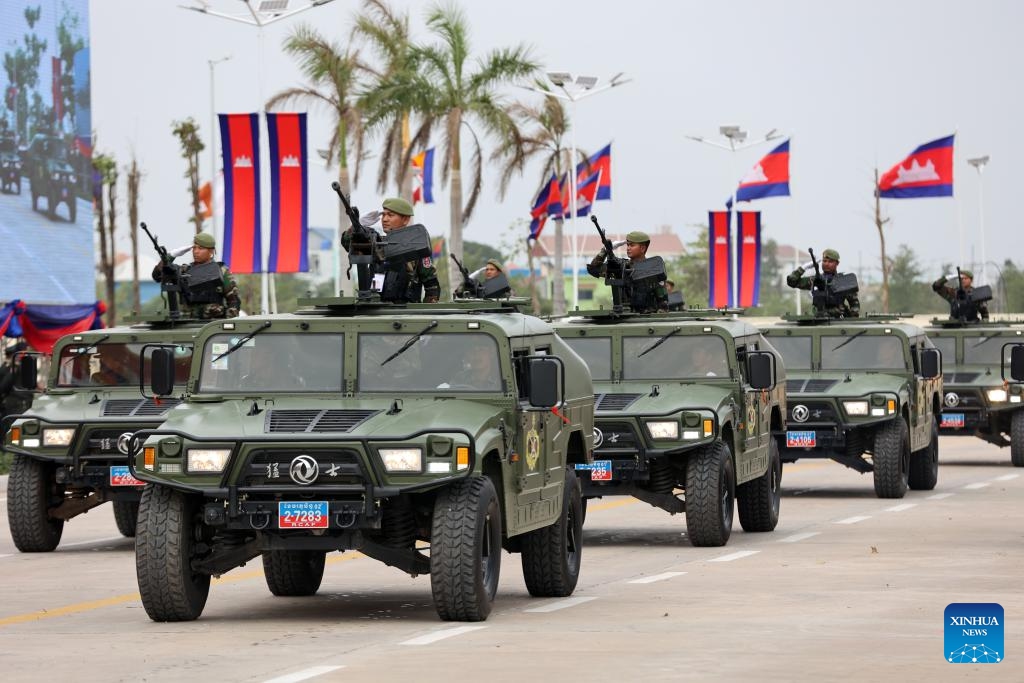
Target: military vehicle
x,y
383,428
70,451
51,175
977,401
686,400
865,392
10,164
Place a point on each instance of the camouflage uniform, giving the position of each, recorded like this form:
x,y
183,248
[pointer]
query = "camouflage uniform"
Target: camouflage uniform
x,y
229,289
406,285
847,307
643,298
950,294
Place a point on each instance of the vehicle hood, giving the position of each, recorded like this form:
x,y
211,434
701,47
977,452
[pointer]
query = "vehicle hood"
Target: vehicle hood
x,y
82,406
842,384
614,400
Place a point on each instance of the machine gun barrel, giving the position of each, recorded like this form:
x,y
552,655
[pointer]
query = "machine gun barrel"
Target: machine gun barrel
x,y
170,276
161,251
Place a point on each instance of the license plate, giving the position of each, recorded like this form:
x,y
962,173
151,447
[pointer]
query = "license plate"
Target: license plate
x,y
600,470
801,439
305,515
952,421
64,192
121,476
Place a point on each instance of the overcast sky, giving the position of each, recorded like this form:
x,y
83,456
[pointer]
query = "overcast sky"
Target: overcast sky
x,y
857,85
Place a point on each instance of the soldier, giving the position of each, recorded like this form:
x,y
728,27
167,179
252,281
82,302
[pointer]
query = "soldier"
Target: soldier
x,y
675,300
206,297
642,299
950,293
419,277
848,305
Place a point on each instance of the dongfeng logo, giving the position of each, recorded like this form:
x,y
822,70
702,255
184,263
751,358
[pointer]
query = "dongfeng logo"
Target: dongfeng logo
x,y
801,413
952,400
598,437
304,470
974,633
123,441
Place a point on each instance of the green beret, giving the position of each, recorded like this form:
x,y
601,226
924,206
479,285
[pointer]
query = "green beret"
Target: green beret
x,y
830,254
638,237
398,205
496,263
205,239
967,273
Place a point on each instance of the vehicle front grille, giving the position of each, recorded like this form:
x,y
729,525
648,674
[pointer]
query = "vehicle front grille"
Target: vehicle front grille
x,y
818,412
103,442
614,401
134,407
809,386
316,420
615,436
271,468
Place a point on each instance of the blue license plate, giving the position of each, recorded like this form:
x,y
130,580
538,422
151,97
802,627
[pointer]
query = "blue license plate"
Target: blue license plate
x,y
121,476
801,439
307,514
600,470
952,421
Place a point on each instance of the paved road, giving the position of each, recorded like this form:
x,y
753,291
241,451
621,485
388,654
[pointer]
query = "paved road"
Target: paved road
x,y
848,586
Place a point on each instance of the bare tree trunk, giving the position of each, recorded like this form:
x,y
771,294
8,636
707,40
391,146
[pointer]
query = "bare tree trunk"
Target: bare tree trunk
x,y
193,180
534,299
880,223
101,227
112,260
455,187
408,171
134,180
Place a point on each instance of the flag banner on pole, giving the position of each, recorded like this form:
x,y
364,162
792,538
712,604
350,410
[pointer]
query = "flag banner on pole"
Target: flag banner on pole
x,y
768,178
423,182
926,172
289,193
601,161
719,263
586,193
437,249
548,203
240,145
748,261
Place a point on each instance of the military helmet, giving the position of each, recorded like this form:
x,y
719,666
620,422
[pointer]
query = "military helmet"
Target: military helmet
x,y
638,237
205,240
831,255
966,273
398,205
496,263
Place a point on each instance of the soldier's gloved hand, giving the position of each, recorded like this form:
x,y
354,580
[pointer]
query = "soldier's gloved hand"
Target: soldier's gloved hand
x,y
951,276
809,264
369,218
180,250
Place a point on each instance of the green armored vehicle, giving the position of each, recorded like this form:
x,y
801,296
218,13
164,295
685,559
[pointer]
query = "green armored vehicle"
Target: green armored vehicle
x,y
976,399
383,428
51,175
865,392
10,164
71,449
689,401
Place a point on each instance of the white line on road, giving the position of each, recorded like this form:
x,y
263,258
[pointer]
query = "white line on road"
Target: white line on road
x,y
901,507
93,541
657,577
735,556
3,556
1005,477
305,674
978,485
854,520
940,496
799,537
560,604
441,635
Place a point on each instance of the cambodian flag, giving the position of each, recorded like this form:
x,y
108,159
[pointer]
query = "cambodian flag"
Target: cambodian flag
x,y
748,257
437,249
42,326
719,260
768,178
289,202
240,143
601,161
548,203
926,172
586,192
424,164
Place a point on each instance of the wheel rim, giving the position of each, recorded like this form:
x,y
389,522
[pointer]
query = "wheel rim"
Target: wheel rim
x,y
489,556
726,498
572,547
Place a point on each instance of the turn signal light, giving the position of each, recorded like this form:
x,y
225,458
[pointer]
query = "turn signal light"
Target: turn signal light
x,y
149,457
462,457
15,434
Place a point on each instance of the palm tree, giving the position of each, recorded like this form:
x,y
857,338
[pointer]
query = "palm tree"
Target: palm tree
x,y
450,97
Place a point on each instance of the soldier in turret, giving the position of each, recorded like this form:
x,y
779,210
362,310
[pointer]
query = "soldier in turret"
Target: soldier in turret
x,y
833,305
951,294
211,291
644,298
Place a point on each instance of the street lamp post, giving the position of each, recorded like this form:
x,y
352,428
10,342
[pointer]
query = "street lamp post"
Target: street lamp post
x,y
979,165
213,143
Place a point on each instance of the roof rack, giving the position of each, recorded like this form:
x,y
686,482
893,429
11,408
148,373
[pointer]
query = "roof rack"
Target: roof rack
x,y
349,306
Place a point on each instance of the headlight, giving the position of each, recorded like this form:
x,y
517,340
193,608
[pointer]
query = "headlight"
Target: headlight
x,y
402,459
208,460
72,179
55,176
663,430
58,437
996,395
855,407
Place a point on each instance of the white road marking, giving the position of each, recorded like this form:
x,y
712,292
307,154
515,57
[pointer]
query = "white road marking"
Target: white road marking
x,y
1005,477
3,556
940,496
657,577
735,556
799,537
978,485
93,541
441,635
901,507
560,604
854,520
306,674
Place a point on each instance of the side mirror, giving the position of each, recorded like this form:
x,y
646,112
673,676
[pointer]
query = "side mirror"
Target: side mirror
x,y
28,373
543,378
761,369
931,363
1017,363
162,367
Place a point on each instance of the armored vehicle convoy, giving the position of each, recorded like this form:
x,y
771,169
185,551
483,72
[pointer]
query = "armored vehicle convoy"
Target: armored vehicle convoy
x,y
70,451
51,175
426,436
864,392
977,401
689,401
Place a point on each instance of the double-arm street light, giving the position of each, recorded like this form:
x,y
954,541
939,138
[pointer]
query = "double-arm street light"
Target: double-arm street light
x,y
213,142
979,165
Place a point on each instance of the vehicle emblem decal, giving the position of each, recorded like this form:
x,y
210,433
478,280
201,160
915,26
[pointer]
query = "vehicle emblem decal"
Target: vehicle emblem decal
x,y
598,438
123,441
304,470
952,399
801,413
532,444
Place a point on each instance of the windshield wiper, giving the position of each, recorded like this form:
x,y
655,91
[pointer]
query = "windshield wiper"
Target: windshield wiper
x,y
412,340
238,344
92,345
850,340
659,342
985,339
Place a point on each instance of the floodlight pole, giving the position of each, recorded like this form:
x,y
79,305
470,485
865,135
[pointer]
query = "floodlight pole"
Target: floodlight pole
x,y
213,144
979,165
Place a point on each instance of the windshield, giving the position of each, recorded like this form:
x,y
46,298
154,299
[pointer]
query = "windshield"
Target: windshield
x,y
596,353
947,346
675,358
113,364
796,351
985,350
446,362
862,353
270,363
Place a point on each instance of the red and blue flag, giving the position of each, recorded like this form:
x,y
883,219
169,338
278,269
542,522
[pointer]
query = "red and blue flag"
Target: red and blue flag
x,y
437,249
768,178
586,193
719,260
424,180
748,257
548,203
289,201
599,162
926,172
240,144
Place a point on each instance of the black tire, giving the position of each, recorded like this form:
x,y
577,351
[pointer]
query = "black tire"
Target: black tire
x,y
710,495
1017,439
72,208
924,464
552,554
465,550
759,500
31,491
165,546
18,185
891,458
51,205
291,573
126,514
35,201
